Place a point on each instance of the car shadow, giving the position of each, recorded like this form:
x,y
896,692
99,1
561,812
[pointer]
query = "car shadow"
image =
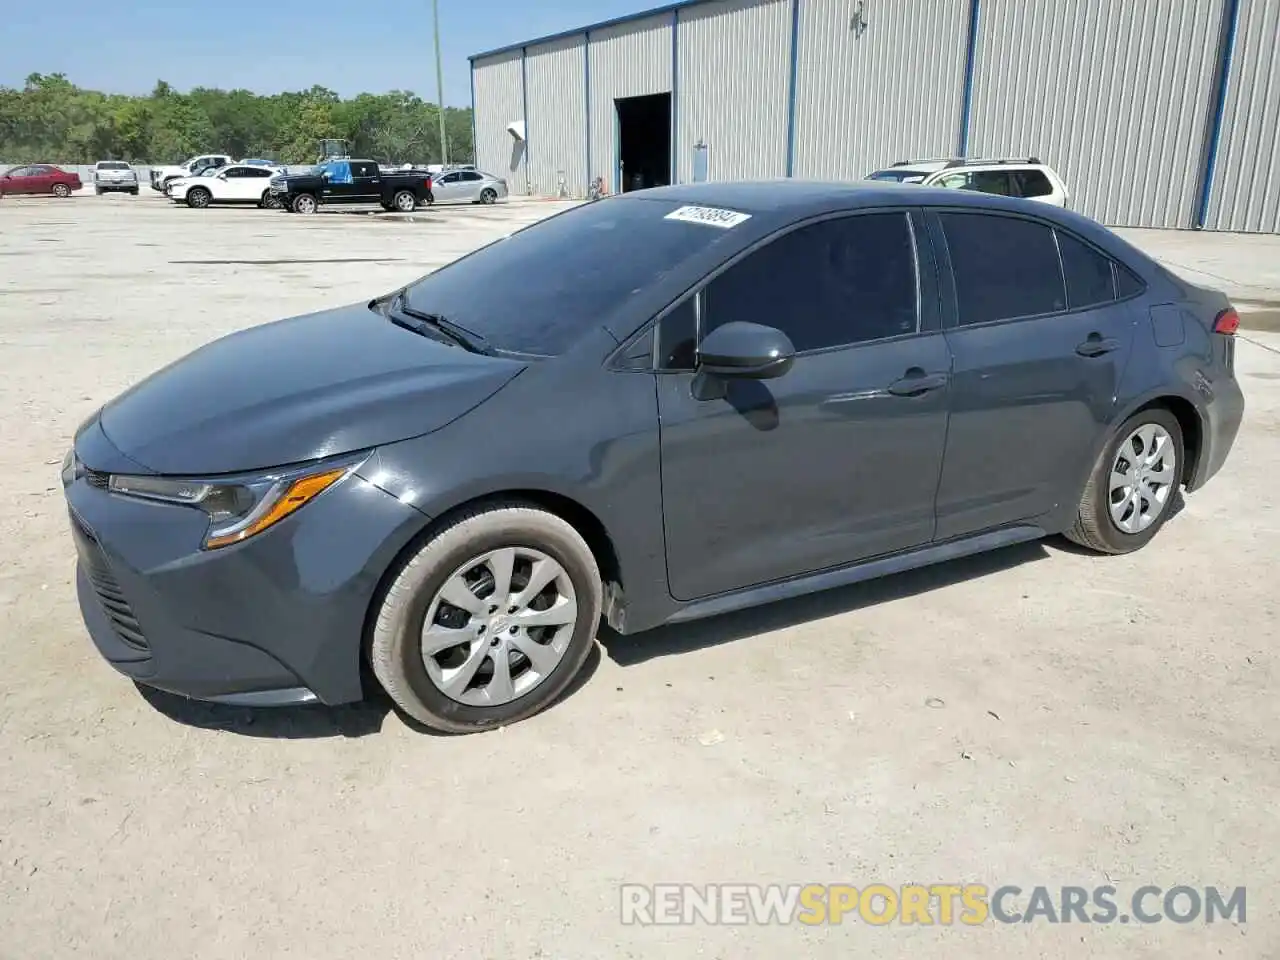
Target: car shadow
x,y
313,721
713,631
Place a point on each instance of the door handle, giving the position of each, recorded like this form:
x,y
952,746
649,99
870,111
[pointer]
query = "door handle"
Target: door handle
x,y
1096,346
917,382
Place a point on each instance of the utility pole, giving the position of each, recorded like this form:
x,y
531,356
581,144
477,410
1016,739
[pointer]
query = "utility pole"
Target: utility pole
x,y
444,144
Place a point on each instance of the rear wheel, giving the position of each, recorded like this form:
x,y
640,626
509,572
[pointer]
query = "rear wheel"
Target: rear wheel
x,y
489,622
61,191
405,201
304,203
488,195
198,197
1135,485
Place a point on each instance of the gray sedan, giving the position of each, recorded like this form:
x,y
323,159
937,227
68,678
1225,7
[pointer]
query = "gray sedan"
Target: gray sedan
x,y
468,186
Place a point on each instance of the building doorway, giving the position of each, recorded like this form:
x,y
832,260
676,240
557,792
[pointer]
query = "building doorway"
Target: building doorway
x,y
644,141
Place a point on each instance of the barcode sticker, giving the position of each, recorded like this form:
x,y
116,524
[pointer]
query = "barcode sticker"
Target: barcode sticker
x,y
709,216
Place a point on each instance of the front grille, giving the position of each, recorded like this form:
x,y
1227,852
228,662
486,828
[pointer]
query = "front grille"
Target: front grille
x,y
109,593
96,479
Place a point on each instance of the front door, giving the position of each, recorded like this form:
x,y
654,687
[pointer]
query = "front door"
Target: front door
x,y
17,180
837,460
447,188
1038,360
339,185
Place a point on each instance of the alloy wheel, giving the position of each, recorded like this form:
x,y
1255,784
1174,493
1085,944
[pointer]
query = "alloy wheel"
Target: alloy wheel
x,y
61,190
499,626
1143,477
405,202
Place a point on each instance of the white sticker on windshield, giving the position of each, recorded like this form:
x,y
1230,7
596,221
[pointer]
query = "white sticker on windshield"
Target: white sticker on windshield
x,y
709,216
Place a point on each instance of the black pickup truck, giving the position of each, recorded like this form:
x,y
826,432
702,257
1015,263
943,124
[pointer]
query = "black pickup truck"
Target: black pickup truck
x,y
352,181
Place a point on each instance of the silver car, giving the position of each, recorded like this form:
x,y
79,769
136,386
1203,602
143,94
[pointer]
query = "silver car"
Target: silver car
x,y
110,176
468,186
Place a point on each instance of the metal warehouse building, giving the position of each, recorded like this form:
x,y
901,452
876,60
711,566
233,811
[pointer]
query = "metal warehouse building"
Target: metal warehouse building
x,y
1161,113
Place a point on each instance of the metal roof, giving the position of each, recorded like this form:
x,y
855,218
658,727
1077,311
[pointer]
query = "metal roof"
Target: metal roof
x,y
563,34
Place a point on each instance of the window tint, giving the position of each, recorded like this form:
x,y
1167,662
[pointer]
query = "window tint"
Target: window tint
x,y
1127,284
989,181
449,178
364,170
234,172
1030,183
832,283
678,337
1004,267
472,176
1088,273
256,172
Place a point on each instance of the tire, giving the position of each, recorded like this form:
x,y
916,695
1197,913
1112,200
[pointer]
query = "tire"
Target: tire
x,y
488,196
395,651
98,191
304,203
133,192
268,201
198,198
405,201
61,191
1096,526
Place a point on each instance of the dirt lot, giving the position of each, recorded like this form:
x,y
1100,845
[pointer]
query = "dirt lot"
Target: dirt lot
x,y
1035,716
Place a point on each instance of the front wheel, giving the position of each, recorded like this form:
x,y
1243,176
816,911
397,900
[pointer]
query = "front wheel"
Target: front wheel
x,y
61,191
490,621
405,201
198,197
269,200
304,203
1135,485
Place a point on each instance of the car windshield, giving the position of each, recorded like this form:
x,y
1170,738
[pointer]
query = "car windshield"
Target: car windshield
x,y
898,176
112,165
536,291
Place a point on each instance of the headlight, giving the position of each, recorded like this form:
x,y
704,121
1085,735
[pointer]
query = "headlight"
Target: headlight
x,y
240,507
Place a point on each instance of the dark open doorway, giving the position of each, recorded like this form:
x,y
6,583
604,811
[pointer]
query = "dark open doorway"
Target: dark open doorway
x,y
644,141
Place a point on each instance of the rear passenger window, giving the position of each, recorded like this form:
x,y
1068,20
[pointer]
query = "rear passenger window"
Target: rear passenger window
x,y
1004,267
1031,183
1089,278
833,283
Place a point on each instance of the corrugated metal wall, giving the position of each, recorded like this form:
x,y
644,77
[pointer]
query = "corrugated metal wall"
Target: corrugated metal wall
x,y
555,73
734,76
499,96
1114,94
891,93
627,60
1246,181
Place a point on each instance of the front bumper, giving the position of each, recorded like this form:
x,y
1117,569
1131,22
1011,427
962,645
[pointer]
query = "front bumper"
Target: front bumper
x,y
116,184
278,619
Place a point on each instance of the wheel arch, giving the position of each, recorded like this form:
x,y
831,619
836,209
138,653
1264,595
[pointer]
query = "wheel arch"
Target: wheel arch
x,y
572,511
1190,419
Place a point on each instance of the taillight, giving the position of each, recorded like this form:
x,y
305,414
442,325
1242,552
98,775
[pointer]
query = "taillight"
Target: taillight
x,y
1227,322
427,183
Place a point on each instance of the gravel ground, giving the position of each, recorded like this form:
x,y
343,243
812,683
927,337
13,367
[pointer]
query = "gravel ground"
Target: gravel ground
x,y
1033,716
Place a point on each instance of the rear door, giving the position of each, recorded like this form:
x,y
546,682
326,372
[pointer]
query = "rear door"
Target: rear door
x,y
250,183
366,182
1040,342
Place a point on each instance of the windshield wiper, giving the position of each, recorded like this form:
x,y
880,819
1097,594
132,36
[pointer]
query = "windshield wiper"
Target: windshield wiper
x,y
419,321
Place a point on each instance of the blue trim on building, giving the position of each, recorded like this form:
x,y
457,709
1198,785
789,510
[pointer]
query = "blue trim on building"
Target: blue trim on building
x,y
524,110
475,147
791,90
586,81
593,27
675,89
970,57
1231,15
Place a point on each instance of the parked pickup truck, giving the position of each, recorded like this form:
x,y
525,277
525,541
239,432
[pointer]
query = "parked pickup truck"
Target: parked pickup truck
x,y
353,181
161,176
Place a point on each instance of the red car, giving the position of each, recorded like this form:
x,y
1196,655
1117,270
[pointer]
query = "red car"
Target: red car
x,y
39,178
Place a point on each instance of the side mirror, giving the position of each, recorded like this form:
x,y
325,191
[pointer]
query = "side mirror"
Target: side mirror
x,y
750,351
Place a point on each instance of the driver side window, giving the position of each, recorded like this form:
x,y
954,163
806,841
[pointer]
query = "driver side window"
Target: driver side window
x,y
829,284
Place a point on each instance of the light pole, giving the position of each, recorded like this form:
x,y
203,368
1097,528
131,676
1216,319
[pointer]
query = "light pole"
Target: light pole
x,y
444,144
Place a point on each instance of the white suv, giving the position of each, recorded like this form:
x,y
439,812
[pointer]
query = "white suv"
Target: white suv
x,y
1027,178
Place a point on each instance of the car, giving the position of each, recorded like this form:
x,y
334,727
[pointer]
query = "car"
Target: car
x,y
660,406
346,181
258,162
1027,178
39,178
114,176
468,186
237,183
160,176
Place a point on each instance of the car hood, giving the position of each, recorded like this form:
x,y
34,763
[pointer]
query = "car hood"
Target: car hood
x,y
296,390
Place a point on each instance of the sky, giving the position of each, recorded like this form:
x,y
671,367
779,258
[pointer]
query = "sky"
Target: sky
x,y
268,46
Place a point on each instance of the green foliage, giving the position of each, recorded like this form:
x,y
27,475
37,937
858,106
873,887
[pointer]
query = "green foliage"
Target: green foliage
x,y
51,120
